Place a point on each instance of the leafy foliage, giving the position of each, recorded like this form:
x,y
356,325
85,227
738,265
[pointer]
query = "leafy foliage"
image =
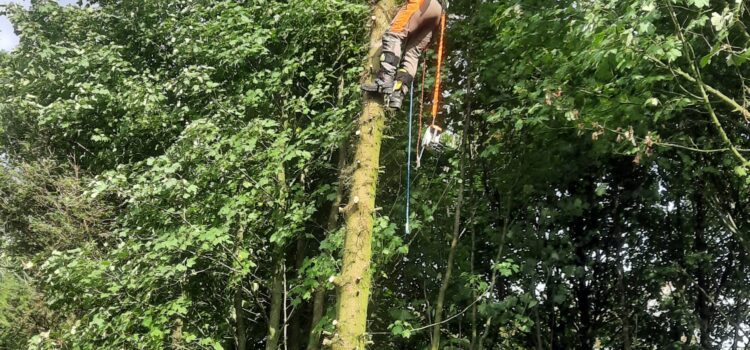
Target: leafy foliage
x,y
162,161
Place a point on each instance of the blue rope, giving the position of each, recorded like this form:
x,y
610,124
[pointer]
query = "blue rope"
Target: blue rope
x,y
408,157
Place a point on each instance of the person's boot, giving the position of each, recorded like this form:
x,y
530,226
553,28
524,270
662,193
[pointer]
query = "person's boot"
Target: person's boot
x,y
400,89
385,78
383,84
397,96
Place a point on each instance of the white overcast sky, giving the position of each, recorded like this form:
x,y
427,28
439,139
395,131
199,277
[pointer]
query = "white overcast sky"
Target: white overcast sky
x,y
8,40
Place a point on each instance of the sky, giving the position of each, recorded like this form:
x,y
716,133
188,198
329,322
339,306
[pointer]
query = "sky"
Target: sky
x,y
9,40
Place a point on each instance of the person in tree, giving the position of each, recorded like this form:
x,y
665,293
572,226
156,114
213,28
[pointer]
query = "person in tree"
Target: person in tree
x,y
409,34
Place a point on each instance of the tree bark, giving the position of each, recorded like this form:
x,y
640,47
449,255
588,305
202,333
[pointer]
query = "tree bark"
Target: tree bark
x,y
295,322
277,294
624,305
240,335
554,329
583,284
702,303
474,295
240,327
177,334
736,333
355,278
278,290
313,342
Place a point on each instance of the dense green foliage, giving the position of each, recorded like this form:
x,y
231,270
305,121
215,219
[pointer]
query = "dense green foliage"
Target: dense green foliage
x,y
169,174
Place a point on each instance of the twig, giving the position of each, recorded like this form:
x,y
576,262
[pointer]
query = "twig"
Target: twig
x,y
738,108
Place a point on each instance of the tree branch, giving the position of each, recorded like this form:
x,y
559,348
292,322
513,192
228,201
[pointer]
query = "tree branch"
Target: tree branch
x,y
737,107
701,86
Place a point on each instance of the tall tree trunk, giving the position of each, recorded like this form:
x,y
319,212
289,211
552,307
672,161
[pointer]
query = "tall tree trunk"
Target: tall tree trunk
x,y
583,302
702,302
624,305
554,330
540,246
277,294
449,267
624,315
473,344
177,334
278,289
538,329
736,333
583,284
456,230
313,342
240,335
240,327
355,278
295,323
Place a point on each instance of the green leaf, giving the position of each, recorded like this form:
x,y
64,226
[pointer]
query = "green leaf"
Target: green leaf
x,y
601,189
699,3
741,171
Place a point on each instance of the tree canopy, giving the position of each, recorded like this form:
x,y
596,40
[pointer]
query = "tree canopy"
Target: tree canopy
x,y
193,174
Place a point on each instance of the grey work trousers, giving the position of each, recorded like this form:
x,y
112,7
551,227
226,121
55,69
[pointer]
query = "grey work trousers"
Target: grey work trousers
x,y
410,33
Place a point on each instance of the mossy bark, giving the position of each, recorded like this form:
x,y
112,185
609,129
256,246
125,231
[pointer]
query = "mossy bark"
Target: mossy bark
x,y
355,278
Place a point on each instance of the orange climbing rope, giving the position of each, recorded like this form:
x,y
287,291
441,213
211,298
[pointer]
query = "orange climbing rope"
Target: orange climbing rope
x,y
436,95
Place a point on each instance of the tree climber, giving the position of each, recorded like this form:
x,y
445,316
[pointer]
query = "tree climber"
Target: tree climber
x,y
409,34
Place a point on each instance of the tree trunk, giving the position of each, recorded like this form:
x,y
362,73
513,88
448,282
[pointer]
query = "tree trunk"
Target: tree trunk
x,y
736,333
554,330
240,335
582,289
240,327
456,231
177,334
474,295
702,303
295,323
355,278
538,330
583,302
277,294
278,289
318,305
624,305
623,172
449,267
